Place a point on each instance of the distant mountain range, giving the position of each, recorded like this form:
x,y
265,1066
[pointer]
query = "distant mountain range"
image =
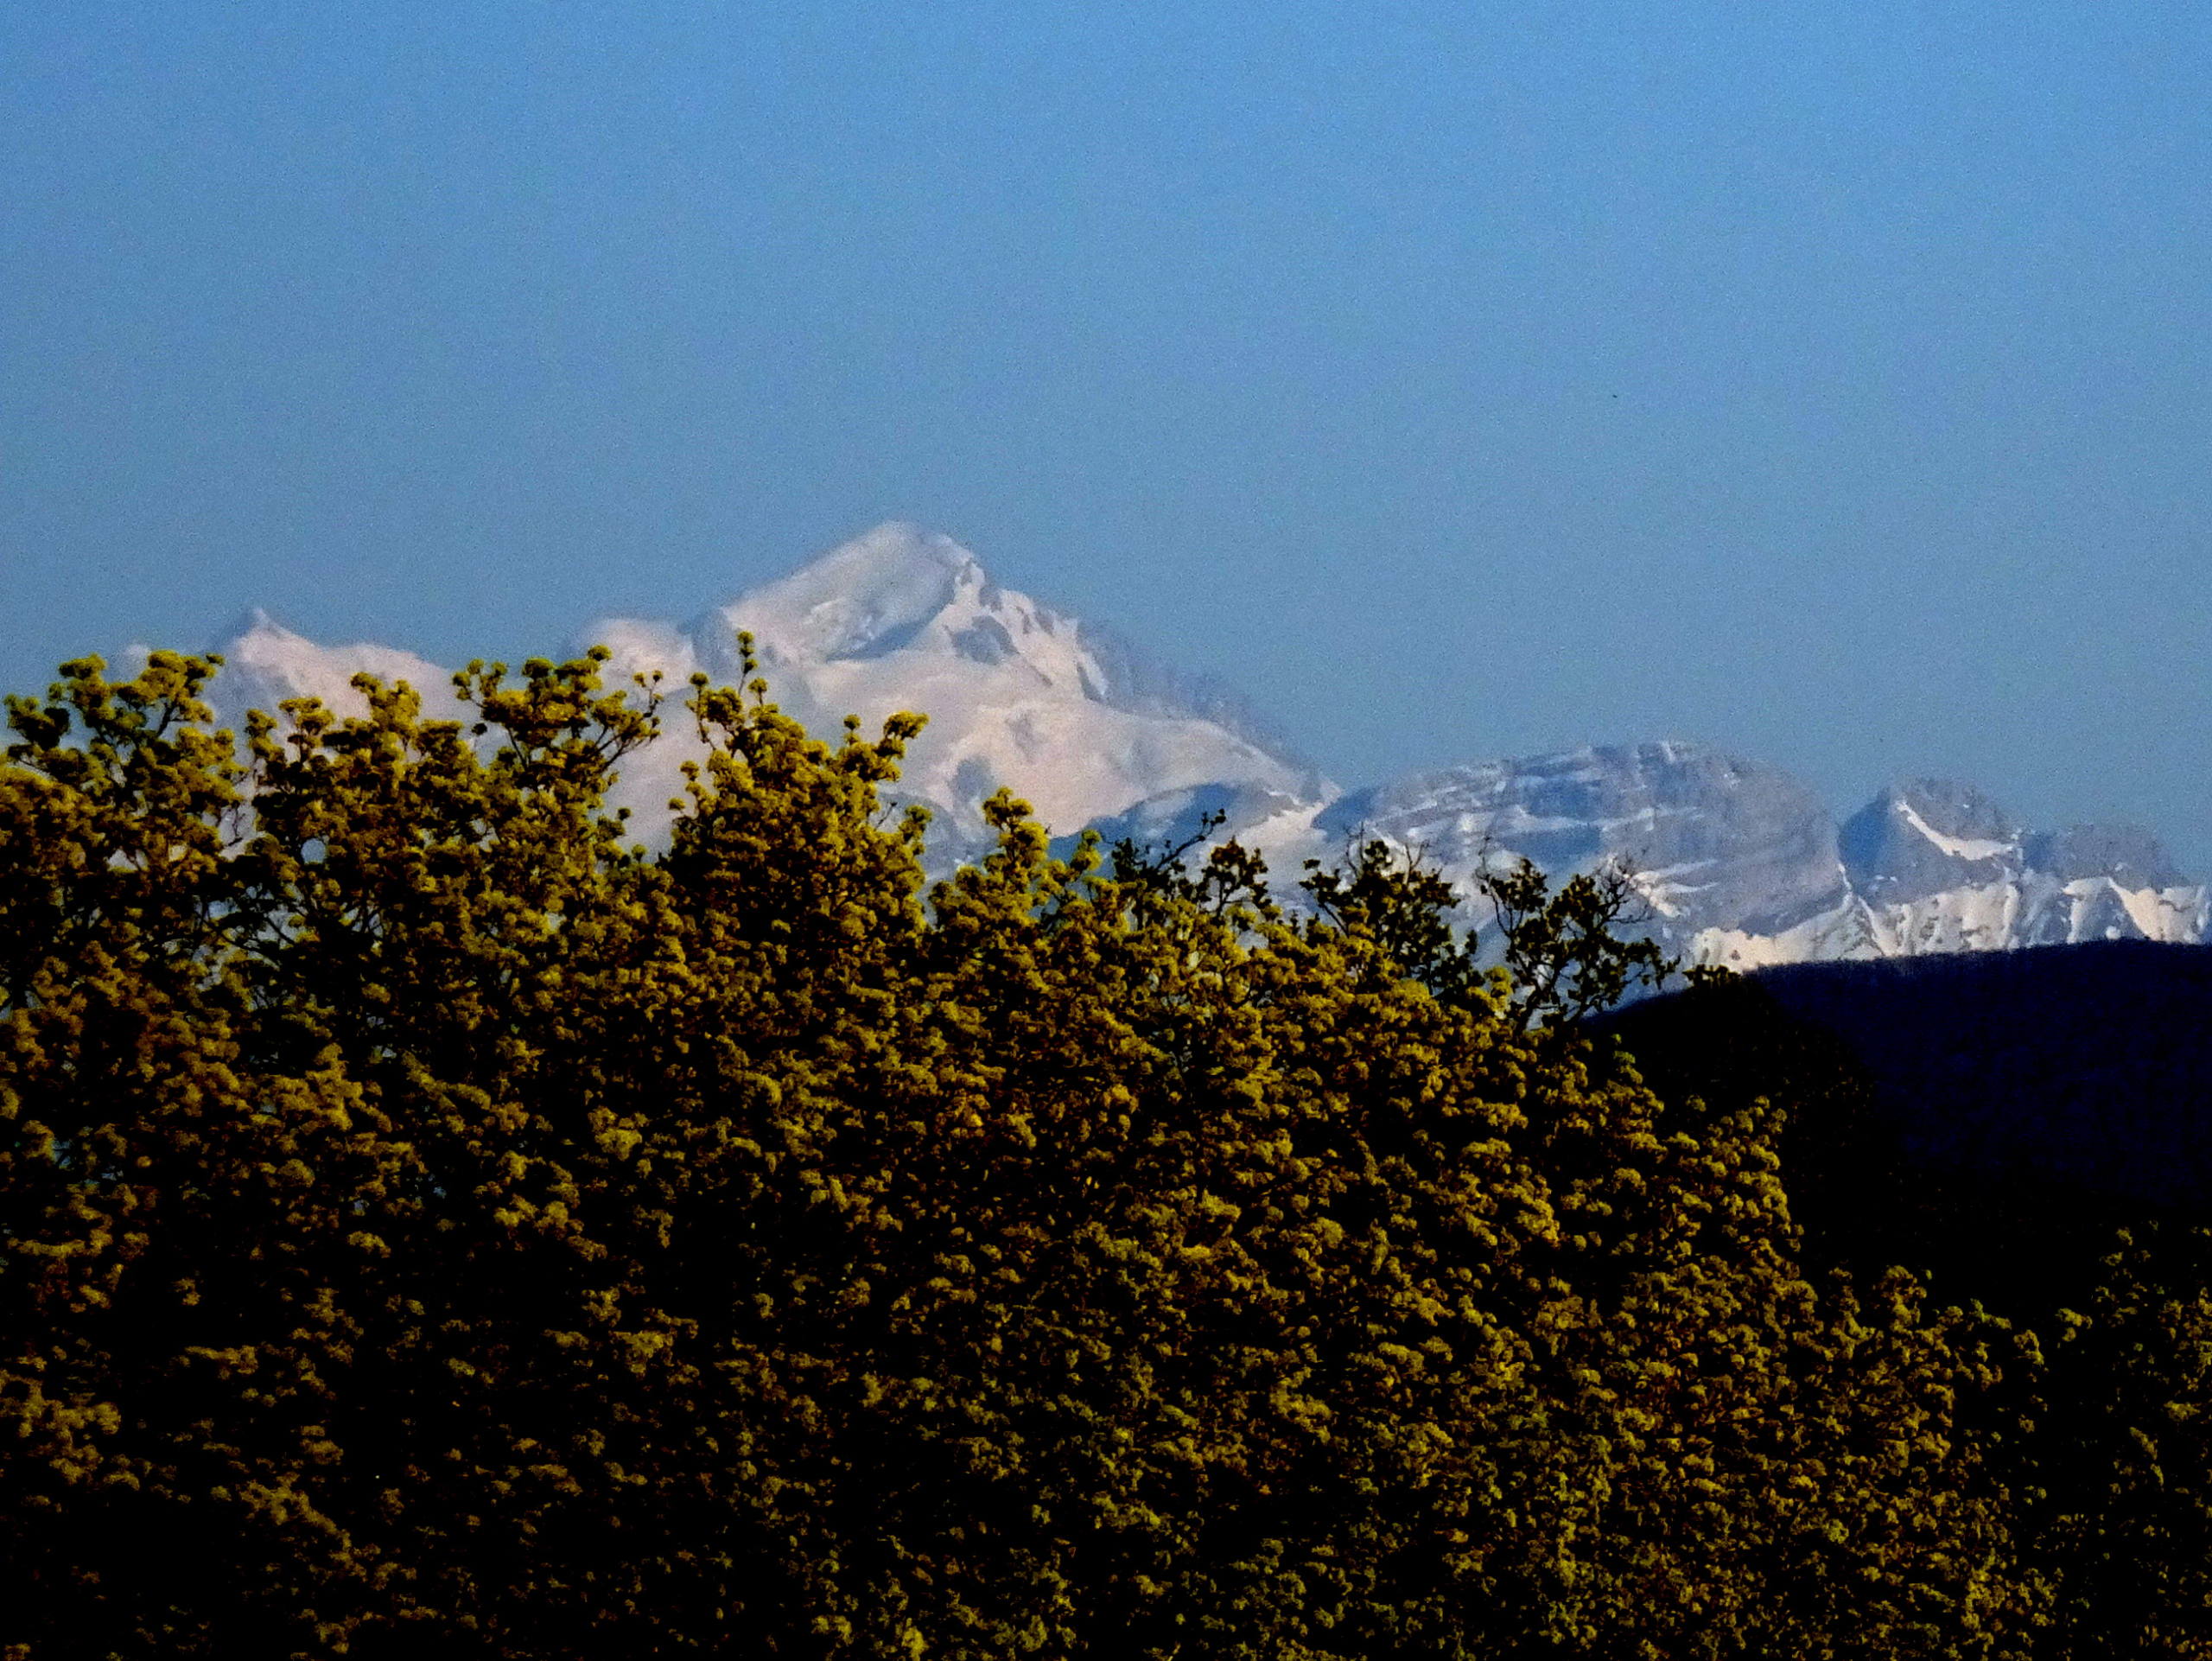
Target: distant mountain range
x,y
1741,863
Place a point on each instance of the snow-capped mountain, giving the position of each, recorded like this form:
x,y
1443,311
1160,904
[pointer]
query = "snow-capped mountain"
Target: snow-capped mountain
x,y
1941,868
1739,862
1019,694
1736,860
265,665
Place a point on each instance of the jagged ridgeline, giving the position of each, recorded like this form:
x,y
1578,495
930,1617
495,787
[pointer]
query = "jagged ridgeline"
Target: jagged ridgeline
x,y
1741,863
431,1225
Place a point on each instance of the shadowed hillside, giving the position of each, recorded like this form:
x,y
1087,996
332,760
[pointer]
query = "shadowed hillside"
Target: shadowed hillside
x,y
1995,1116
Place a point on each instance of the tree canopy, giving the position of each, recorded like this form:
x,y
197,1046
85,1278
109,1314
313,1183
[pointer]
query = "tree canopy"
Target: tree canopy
x,y
431,1225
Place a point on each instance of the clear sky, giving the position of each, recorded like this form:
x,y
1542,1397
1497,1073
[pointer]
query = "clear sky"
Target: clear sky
x,y
1832,382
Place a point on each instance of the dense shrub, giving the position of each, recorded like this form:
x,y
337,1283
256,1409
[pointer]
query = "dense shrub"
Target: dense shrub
x,y
431,1226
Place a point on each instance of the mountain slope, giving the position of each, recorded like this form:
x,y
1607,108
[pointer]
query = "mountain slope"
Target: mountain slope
x,y
265,664
1739,864
1018,694
1941,868
1737,861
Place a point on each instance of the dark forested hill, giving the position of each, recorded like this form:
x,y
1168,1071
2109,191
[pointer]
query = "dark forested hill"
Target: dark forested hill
x,y
2092,1063
1992,1115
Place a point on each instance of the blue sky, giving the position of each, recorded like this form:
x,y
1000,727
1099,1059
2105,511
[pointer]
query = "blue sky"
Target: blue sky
x,y
1829,382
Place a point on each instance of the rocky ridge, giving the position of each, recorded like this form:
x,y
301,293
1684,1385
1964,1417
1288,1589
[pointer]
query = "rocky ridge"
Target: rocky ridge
x,y
1738,863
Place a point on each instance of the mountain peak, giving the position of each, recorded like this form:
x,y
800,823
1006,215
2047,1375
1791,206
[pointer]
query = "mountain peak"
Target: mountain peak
x,y
901,540
1925,837
265,664
896,551
2130,855
254,623
865,598
1946,810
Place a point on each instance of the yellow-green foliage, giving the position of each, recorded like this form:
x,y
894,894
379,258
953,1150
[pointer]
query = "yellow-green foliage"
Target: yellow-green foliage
x,y
429,1226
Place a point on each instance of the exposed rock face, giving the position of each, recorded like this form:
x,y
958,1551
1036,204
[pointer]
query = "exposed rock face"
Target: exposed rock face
x,y
1941,868
1713,838
2127,853
1739,862
1736,860
1926,837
